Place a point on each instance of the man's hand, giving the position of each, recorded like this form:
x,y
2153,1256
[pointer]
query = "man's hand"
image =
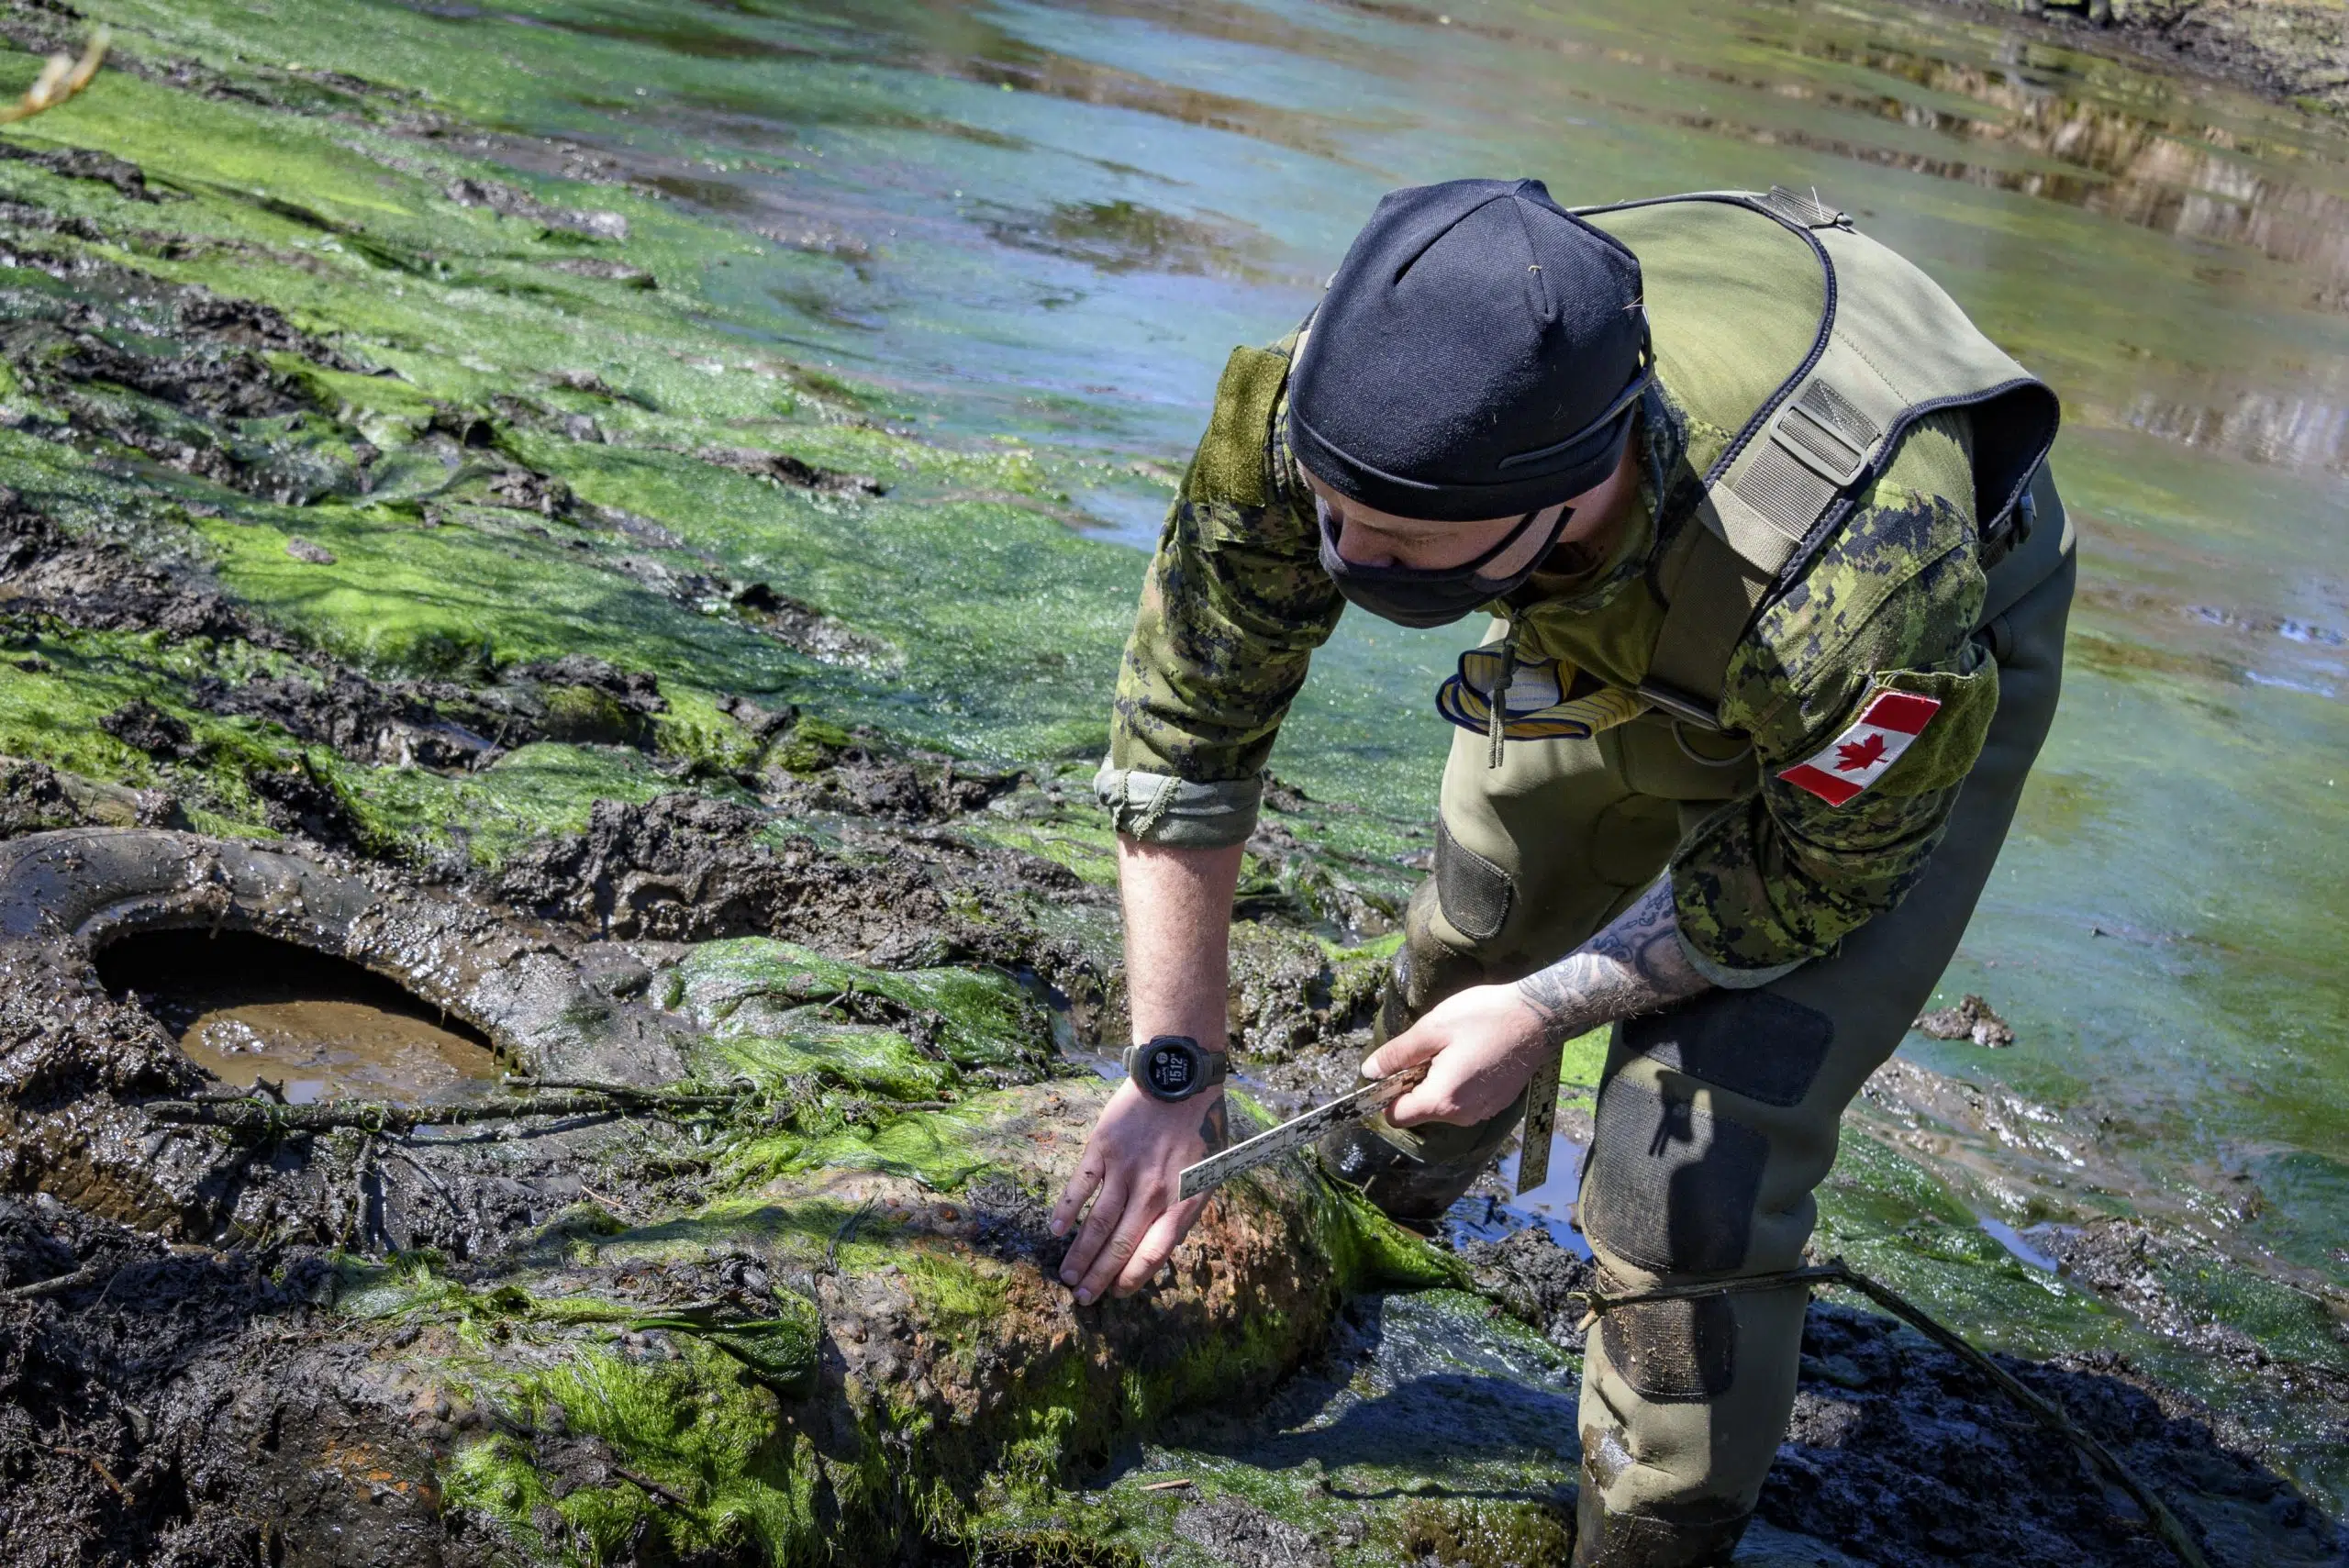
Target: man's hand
x,y
1483,1041
1132,1171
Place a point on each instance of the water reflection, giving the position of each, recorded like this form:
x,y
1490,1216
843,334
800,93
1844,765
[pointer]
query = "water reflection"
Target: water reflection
x,y
1126,236
2192,180
2276,428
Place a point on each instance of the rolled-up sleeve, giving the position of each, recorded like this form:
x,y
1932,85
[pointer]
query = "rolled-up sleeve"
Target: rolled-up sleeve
x,y
1232,607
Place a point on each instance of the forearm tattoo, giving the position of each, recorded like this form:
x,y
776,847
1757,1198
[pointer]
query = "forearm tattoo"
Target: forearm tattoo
x,y
1635,965
1215,1127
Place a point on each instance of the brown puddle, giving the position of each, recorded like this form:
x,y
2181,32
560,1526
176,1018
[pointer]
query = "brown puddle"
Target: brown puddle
x,y
245,1007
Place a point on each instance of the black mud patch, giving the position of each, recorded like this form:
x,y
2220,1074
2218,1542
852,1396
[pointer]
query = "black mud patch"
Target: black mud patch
x,y
781,468
37,799
685,867
102,585
176,374
176,1405
449,724
85,163
1908,1457
796,624
862,781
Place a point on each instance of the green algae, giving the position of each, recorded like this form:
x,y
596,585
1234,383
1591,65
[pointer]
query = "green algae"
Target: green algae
x,y
689,1424
1372,1252
929,1146
1460,1429
753,986
1477,1534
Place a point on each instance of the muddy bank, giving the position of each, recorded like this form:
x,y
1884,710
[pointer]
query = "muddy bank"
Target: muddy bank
x,y
2291,50
486,1334
470,1347
836,1255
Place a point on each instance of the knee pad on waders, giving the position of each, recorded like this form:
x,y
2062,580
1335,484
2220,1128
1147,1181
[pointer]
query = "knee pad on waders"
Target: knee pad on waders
x,y
1685,1136
1413,1174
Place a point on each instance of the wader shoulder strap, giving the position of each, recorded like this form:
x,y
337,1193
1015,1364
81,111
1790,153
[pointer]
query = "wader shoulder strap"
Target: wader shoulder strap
x,y
1890,349
1710,597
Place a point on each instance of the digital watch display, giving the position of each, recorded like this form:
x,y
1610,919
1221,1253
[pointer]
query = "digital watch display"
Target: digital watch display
x,y
1173,1067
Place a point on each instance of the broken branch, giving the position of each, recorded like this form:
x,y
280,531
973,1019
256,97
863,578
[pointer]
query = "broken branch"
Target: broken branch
x,y
62,77
261,1115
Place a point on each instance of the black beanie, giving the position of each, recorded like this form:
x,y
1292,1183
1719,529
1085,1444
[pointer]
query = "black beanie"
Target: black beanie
x,y
1473,328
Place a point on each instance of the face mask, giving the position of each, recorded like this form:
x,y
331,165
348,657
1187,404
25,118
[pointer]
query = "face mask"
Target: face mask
x,y
1412,596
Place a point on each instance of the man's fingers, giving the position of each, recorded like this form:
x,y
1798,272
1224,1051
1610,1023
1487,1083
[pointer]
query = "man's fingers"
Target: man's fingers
x,y
1430,1101
1412,1108
1158,1244
1112,1259
1413,1046
1099,1226
1083,1186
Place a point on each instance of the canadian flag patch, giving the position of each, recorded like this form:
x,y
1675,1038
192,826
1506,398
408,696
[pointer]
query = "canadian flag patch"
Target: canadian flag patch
x,y
1860,756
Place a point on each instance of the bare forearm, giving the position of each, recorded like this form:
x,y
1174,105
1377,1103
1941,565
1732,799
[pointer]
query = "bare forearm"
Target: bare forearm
x,y
1635,965
1178,925
1178,922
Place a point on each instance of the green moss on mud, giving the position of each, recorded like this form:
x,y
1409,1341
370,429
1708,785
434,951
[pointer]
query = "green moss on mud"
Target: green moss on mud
x,y
690,1424
486,348
774,1007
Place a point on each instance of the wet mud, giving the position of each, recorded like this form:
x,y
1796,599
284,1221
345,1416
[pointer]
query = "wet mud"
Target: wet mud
x,y
875,1279
1900,1454
269,1389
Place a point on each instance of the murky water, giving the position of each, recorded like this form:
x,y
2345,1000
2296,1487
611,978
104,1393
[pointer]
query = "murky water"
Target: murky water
x,y
245,1008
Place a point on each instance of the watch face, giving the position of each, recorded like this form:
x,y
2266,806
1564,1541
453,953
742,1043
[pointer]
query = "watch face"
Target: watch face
x,y
1171,1069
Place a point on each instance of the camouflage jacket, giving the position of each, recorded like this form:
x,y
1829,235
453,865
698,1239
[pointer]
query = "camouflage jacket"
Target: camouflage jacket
x,y
1235,602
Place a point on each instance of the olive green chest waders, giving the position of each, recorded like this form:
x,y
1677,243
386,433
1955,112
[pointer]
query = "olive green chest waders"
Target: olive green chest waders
x,y
1715,1120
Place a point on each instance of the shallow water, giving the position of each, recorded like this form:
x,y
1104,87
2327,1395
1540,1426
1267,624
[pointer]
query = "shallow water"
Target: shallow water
x,y
245,1008
323,1048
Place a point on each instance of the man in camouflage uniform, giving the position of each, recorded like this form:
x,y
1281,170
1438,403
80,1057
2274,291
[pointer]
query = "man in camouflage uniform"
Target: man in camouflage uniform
x,y
1757,870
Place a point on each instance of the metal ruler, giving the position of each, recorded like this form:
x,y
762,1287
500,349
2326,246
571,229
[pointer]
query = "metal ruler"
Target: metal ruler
x,y
1532,1161
1299,1131
1541,1115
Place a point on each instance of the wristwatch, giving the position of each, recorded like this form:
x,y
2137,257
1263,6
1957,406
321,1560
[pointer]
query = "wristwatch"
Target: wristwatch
x,y
1173,1067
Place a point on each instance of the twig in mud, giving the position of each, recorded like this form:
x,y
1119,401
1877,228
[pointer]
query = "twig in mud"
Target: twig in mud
x,y
2045,1411
57,1287
258,1115
847,1232
61,78
650,1486
91,1460
357,1220
739,1088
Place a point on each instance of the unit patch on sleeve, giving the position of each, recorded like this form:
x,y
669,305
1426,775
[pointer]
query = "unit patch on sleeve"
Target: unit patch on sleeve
x,y
1864,753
